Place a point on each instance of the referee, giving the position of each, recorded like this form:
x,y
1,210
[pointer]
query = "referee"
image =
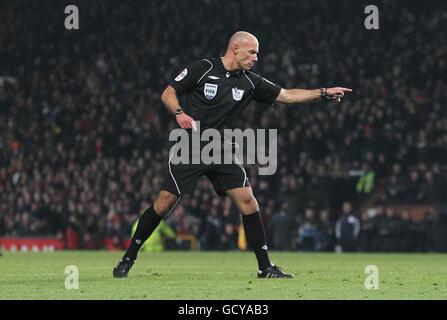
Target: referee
x,y
216,91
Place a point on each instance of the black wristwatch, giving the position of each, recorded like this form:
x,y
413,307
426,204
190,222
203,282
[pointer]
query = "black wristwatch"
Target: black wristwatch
x,y
323,92
178,111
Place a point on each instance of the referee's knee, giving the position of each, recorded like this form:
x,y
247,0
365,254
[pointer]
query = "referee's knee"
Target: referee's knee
x,y
164,203
249,205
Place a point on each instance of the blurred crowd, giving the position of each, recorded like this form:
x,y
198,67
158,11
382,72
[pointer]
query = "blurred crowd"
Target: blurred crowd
x,y
379,230
84,136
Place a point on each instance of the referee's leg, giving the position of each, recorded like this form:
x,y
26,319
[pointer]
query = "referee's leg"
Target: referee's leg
x,y
164,202
148,222
253,227
254,231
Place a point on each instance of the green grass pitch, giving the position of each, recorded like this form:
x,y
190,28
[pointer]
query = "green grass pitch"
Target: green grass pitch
x,y
222,275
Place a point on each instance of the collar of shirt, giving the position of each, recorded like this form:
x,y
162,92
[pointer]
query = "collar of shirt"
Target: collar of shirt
x,y
221,68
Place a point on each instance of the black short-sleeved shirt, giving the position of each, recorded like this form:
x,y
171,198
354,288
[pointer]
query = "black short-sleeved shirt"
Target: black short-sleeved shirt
x,y
214,96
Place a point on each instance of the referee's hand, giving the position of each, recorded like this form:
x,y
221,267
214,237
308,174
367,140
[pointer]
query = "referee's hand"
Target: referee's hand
x,y
185,121
337,93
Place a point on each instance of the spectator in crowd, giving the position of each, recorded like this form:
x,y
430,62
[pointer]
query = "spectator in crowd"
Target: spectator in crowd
x,y
408,235
389,230
308,234
281,227
326,231
211,235
425,234
347,229
367,234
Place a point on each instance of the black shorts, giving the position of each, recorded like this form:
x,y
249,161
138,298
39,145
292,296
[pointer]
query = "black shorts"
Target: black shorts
x,y
181,179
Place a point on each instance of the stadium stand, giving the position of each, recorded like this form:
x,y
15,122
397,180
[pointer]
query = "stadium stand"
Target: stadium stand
x,y
84,136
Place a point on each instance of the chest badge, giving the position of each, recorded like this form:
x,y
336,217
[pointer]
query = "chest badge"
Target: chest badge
x,y
237,94
210,90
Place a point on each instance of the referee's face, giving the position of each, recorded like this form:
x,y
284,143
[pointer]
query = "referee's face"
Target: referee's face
x,y
247,54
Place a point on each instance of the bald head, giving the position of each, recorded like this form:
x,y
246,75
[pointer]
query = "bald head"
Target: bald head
x,y
241,38
242,51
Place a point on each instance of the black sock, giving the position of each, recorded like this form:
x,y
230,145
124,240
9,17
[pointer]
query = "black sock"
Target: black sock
x,y
255,234
146,225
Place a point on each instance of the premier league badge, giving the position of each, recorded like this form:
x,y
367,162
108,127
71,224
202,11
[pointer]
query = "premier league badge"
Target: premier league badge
x,y
237,94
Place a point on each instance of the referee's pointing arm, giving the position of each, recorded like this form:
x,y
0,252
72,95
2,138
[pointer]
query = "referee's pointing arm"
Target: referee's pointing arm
x,y
301,95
